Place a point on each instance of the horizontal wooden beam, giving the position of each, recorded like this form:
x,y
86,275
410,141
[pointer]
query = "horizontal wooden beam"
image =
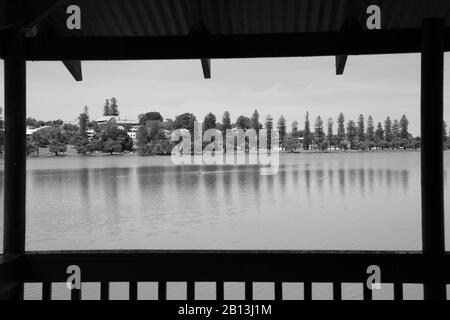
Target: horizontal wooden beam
x,y
286,266
227,46
74,67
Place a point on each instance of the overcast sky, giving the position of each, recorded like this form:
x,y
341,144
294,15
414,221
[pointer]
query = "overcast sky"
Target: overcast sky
x,y
372,85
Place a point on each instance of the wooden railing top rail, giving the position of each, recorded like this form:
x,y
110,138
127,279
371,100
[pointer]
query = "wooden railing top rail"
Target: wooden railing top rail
x,y
200,265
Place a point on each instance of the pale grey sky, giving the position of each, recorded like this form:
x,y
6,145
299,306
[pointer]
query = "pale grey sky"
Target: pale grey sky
x,y
372,85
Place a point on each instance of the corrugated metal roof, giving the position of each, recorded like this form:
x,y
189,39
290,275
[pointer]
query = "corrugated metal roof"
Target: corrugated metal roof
x,y
176,17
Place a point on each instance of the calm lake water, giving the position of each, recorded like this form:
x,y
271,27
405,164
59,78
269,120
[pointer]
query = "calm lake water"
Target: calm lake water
x,y
359,201
348,201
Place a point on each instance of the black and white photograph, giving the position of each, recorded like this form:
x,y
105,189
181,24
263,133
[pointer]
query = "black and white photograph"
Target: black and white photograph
x,y
224,158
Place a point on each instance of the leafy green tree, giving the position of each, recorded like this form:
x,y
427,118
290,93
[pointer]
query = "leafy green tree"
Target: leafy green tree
x,y
91,147
155,131
281,126
184,121
323,146
110,131
151,136
82,143
307,139
39,139
243,122
32,147
370,134
114,108
209,122
93,125
168,124
150,116
361,145
57,147
111,146
292,143
45,136
31,122
361,131
52,123
341,128
344,145
157,147
142,136
127,143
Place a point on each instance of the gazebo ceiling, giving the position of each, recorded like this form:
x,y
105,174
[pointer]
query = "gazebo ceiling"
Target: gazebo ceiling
x,y
207,29
236,17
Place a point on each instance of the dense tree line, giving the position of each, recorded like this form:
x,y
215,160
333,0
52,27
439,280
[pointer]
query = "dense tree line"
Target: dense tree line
x,y
153,134
55,136
359,135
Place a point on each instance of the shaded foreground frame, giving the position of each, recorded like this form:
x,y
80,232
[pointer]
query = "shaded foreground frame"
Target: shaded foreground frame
x,y
34,30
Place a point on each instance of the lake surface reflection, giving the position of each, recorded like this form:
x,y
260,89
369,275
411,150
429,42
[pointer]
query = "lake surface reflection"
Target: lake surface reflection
x,y
367,201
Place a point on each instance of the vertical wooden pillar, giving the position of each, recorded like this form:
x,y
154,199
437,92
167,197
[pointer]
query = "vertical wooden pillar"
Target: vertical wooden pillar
x,y
15,139
432,166
15,144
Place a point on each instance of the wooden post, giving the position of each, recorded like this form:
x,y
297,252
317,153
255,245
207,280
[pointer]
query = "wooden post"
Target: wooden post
x,y
15,139
432,166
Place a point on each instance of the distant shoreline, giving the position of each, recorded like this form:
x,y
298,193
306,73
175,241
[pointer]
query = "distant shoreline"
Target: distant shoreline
x,y
44,154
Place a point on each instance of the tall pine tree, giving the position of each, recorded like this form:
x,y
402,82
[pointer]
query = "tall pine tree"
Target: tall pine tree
x,y
318,131
395,129
330,132
268,125
307,133
404,123
388,130
352,134
294,130
281,126
106,110
254,121
341,128
114,108
361,131
370,135
226,123
379,133
83,120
